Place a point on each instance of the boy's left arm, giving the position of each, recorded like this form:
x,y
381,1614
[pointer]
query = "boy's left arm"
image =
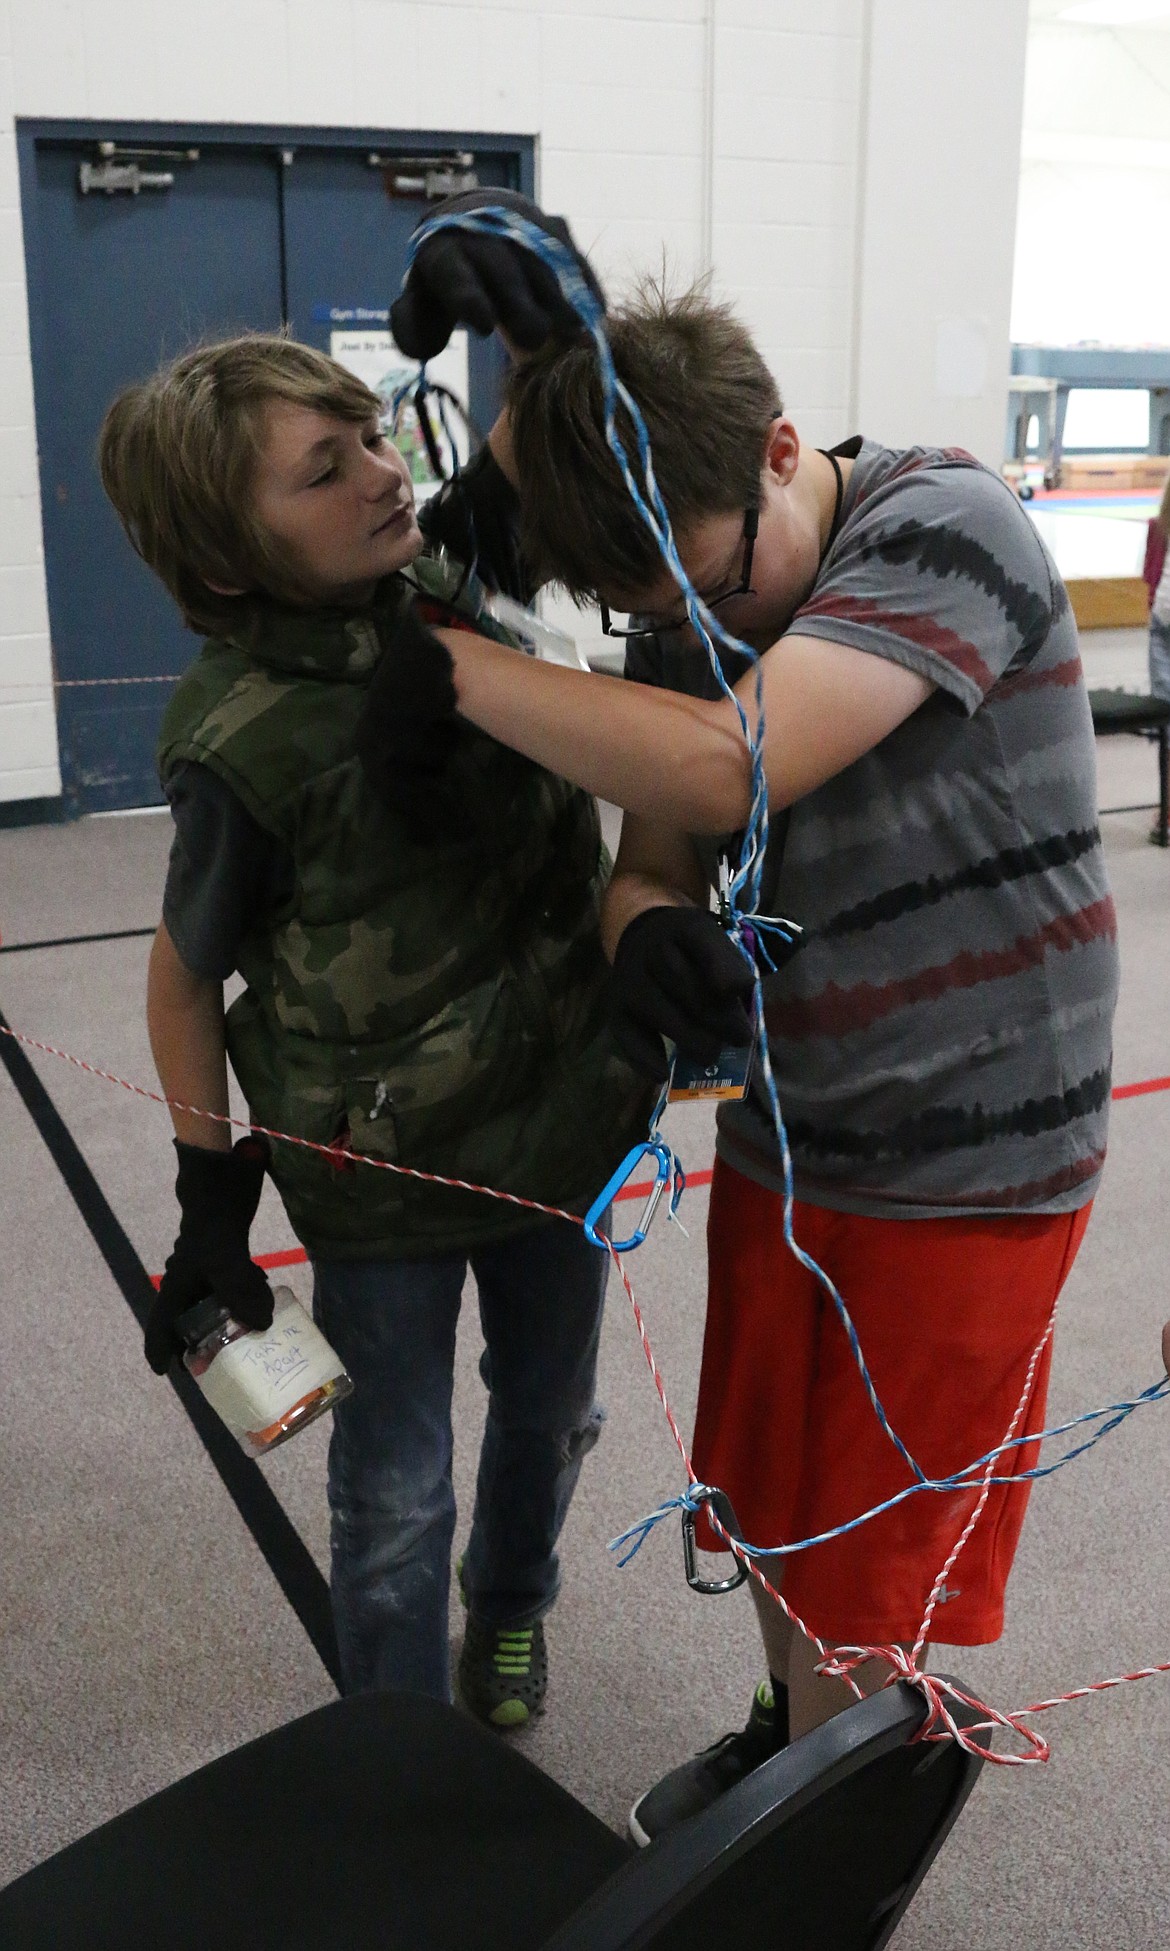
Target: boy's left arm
x,y
939,582
667,757
679,760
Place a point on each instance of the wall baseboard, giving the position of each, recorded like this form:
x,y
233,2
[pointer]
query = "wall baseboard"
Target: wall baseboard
x,y
36,812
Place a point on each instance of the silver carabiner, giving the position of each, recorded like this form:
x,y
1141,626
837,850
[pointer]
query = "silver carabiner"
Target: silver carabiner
x,y
724,1510
666,1167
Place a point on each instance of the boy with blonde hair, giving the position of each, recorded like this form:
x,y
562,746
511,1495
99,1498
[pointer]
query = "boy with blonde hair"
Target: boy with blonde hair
x,y
424,984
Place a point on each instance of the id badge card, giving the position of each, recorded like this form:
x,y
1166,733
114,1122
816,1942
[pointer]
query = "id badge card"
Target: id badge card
x,y
727,1077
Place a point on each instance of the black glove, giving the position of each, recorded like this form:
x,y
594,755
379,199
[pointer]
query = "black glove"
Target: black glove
x,y
462,277
476,517
409,730
677,974
218,1193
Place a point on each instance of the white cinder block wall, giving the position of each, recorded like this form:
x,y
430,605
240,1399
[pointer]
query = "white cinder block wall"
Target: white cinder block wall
x,y
802,147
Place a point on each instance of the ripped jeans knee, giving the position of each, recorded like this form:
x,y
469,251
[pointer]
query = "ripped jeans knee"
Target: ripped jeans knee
x,y
577,1443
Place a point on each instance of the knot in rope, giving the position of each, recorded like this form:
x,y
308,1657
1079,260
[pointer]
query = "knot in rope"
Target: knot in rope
x,y
940,1723
692,1499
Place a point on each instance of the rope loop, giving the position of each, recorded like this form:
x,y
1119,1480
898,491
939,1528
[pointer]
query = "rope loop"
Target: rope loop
x,y
940,1723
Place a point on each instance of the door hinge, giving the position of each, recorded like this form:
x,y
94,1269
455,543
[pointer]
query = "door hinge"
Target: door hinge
x,y
119,171
429,177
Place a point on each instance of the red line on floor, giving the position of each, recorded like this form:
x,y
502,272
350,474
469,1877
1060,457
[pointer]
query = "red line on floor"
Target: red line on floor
x,y
295,1256
1143,1090
641,1187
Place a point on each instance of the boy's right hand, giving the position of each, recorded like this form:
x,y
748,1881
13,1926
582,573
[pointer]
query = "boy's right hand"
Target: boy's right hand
x,y
410,730
218,1193
463,277
677,974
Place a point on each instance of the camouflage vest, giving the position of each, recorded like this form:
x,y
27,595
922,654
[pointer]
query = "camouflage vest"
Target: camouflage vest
x,y
436,1004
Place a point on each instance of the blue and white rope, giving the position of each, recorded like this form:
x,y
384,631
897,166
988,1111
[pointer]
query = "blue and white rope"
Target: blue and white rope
x,y
743,891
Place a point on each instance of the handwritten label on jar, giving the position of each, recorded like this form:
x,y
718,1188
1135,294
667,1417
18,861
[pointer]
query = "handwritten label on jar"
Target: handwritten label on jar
x,y
255,1380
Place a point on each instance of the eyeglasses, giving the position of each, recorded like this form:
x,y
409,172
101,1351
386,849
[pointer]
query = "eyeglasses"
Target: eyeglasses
x,y
751,525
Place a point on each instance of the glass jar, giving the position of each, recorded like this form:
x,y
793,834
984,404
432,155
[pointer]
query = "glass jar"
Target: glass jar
x,y
264,1383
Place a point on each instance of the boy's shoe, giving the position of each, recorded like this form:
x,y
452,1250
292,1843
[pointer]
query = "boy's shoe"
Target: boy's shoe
x,y
503,1672
695,1784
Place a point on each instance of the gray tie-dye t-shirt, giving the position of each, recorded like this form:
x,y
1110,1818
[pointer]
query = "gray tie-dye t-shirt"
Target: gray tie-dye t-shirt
x,y
941,1040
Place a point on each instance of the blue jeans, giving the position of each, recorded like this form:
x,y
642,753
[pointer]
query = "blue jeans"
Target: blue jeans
x,y
391,1499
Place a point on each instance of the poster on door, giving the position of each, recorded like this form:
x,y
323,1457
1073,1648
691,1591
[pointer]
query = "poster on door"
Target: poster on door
x,y
375,359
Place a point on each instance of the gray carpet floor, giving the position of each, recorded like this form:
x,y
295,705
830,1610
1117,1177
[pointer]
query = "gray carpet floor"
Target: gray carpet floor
x,y
141,1632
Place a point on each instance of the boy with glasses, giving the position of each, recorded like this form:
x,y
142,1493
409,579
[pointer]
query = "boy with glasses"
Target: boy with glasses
x,y
714,598
941,1036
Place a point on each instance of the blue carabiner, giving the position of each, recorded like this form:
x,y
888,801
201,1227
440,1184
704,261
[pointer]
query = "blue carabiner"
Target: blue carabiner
x,y
666,1166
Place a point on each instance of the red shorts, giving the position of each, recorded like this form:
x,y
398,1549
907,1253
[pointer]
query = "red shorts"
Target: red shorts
x,y
948,1312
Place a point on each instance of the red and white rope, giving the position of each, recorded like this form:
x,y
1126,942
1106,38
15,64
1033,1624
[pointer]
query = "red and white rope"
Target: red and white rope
x,y
841,1662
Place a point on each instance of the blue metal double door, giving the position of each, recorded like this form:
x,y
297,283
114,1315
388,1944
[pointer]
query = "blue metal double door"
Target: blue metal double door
x,y
254,229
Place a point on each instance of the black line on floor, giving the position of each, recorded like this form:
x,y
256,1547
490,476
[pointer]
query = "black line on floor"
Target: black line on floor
x,y
279,1542
72,941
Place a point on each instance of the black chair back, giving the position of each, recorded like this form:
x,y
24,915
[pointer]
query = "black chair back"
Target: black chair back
x,y
388,1822
821,1849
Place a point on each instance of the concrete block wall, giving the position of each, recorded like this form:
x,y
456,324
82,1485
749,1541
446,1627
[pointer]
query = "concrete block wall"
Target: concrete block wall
x,y
734,134
787,117
940,170
28,737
